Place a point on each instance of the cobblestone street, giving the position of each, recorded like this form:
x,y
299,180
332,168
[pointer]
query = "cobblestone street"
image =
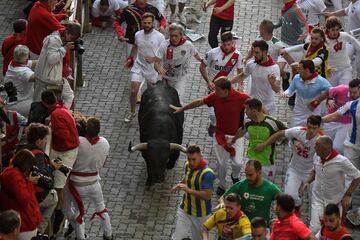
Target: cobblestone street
x,y
138,212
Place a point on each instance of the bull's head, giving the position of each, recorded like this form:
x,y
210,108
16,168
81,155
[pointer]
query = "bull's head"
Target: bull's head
x,y
157,154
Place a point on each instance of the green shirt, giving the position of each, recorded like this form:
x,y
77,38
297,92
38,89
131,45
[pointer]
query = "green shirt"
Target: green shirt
x,y
255,201
259,132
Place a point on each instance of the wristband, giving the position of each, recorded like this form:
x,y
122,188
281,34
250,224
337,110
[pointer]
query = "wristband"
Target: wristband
x,y
314,103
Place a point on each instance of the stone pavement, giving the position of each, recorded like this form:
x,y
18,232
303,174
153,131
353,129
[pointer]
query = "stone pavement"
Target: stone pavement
x,y
139,212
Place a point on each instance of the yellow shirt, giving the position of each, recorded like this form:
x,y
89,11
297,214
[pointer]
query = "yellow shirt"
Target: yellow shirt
x,y
228,228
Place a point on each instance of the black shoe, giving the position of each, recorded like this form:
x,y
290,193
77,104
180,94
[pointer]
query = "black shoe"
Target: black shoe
x,y
220,191
69,231
108,238
234,180
211,130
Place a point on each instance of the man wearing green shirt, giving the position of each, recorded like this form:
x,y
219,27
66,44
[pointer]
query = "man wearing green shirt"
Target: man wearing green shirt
x,y
256,193
259,128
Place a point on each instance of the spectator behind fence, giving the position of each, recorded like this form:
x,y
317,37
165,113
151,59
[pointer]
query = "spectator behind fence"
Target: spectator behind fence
x,y
42,22
65,142
10,225
49,69
17,192
10,42
22,77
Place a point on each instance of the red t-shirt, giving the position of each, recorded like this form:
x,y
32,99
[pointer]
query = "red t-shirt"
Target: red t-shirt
x,y
227,110
338,235
64,132
289,228
227,14
8,47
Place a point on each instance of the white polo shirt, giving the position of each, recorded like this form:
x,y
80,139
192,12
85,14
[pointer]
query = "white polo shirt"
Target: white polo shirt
x,y
176,59
302,161
329,184
353,13
353,135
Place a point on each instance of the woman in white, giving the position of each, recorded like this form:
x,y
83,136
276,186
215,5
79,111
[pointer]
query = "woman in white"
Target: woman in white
x,y
22,77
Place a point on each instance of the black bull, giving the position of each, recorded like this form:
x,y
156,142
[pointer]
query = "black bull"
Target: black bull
x,y
161,131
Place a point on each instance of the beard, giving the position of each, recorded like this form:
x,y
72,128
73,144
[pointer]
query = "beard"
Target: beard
x,y
147,29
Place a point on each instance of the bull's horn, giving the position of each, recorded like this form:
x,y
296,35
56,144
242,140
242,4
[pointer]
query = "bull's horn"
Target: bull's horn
x,y
175,146
137,147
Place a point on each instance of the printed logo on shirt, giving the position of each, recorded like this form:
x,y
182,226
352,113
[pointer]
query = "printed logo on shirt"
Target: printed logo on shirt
x,y
224,68
183,52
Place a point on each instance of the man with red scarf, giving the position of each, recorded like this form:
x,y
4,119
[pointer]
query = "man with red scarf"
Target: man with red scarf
x,y
329,174
265,76
197,186
175,54
229,111
310,88
220,62
84,181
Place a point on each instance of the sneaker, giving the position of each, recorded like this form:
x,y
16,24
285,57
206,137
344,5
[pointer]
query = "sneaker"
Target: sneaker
x,y
172,18
129,117
220,191
234,180
108,238
182,18
211,130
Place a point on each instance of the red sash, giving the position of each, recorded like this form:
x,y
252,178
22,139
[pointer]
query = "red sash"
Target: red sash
x,y
228,66
76,194
221,140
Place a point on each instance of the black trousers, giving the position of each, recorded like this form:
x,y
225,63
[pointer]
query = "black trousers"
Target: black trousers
x,y
215,25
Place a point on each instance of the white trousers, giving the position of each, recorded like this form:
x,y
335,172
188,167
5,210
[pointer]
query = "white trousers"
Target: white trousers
x,y
186,223
179,85
27,235
212,116
93,193
340,76
353,155
223,157
354,54
174,2
337,131
293,181
317,213
47,207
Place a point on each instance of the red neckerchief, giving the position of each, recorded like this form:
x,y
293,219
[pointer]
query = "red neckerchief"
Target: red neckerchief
x,y
327,34
202,164
333,154
181,42
225,53
92,140
268,63
13,63
238,215
314,75
311,50
287,6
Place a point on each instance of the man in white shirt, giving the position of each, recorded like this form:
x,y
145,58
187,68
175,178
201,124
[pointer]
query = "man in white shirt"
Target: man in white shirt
x,y
302,157
328,175
265,76
175,54
103,10
338,43
352,11
352,141
312,10
221,61
84,181
147,42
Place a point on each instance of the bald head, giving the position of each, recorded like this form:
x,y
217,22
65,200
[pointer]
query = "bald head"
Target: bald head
x,y
323,146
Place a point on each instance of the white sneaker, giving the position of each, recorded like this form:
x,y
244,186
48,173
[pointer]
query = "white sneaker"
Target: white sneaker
x,y
182,18
172,18
129,117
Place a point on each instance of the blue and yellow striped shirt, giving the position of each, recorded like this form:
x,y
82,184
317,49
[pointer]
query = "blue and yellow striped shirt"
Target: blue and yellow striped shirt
x,y
199,179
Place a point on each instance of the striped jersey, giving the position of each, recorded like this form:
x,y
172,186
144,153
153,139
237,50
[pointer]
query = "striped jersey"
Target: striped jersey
x,y
353,136
199,179
259,132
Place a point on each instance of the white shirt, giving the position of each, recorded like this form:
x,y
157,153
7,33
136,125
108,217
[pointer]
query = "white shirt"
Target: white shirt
x,y
329,184
216,61
147,45
274,46
312,10
260,85
353,13
302,161
114,5
338,58
90,158
353,136
176,59
20,76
